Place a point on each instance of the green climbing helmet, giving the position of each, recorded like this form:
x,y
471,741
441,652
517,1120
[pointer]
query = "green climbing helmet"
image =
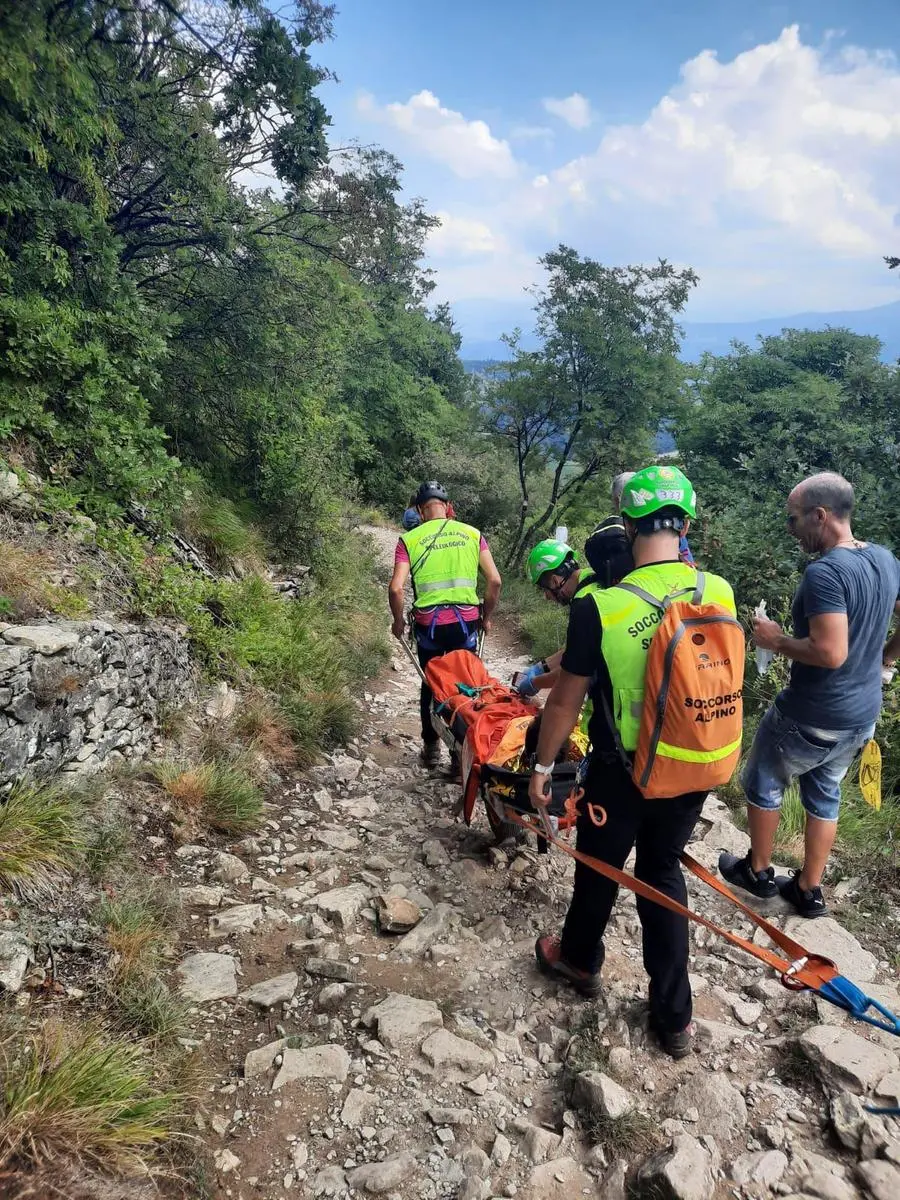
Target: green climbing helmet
x,y
548,555
654,488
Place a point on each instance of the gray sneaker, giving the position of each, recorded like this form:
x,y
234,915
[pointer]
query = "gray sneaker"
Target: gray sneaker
x,y
676,1044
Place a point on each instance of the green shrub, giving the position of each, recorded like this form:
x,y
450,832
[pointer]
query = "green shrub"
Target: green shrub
x,y
306,652
40,837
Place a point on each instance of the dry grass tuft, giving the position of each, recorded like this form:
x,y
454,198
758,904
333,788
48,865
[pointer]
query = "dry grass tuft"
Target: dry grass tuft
x,y
634,1133
188,786
78,1091
221,793
26,585
137,924
144,1004
259,722
22,575
110,841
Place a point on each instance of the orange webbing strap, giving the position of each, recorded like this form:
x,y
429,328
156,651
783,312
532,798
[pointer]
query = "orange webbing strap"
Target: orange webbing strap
x,y
801,969
821,969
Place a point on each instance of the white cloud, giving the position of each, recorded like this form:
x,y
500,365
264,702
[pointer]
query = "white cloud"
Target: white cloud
x,y
784,136
468,148
772,173
575,110
462,237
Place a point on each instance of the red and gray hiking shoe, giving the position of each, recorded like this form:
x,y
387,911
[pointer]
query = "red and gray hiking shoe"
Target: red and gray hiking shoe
x,y
430,755
551,962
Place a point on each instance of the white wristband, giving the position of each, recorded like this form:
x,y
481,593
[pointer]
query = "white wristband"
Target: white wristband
x,y
539,769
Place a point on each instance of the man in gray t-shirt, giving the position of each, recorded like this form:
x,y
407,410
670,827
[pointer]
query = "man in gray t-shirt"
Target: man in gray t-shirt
x,y
818,724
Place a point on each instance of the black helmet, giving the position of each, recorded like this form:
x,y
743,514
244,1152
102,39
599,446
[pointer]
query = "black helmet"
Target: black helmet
x,y
432,490
608,552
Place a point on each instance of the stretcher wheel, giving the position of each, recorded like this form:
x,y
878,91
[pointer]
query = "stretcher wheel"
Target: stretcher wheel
x,y
502,830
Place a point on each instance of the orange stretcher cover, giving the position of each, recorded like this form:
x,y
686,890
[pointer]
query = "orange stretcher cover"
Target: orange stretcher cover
x,y
488,716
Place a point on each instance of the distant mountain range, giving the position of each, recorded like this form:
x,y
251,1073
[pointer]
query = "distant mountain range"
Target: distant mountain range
x,y
716,336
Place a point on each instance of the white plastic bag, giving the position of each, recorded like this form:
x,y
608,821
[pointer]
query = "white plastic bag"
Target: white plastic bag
x,y
763,657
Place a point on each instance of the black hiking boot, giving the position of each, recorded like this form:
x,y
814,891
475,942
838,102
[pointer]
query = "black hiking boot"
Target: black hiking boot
x,y
739,872
677,1044
431,755
807,903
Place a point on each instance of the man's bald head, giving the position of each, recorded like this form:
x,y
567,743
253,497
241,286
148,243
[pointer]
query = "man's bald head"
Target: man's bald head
x,y
826,490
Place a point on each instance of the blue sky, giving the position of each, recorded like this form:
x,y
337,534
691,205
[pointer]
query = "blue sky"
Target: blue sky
x,y
758,143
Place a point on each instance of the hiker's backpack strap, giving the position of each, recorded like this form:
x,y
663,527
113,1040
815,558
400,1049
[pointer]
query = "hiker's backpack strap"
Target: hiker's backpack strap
x,y
695,592
614,729
647,597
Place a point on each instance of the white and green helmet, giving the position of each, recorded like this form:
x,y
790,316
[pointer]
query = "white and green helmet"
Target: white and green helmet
x,y
654,488
548,555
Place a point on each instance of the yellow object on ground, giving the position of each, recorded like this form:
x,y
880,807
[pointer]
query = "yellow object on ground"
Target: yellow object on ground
x,y
870,774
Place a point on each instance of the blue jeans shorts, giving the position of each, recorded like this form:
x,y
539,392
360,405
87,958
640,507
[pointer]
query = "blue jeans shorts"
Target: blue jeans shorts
x,y
817,758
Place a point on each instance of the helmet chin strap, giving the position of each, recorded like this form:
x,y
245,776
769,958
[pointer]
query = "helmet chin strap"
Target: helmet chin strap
x,y
567,570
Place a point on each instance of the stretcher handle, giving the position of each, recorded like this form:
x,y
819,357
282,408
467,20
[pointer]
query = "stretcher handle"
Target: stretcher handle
x,y
413,658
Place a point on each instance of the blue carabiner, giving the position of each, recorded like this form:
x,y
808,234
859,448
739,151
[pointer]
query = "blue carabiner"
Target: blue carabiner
x,y
846,995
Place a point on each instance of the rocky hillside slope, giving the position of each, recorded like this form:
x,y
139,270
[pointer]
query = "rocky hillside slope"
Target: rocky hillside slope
x,y
362,981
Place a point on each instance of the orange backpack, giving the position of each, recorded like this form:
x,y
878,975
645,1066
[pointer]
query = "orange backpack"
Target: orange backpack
x,y
692,718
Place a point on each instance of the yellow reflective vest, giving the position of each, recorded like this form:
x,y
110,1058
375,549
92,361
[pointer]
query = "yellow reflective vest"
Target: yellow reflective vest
x,y
629,623
443,562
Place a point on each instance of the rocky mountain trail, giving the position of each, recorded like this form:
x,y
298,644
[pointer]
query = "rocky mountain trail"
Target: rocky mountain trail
x,y
364,1002
363,987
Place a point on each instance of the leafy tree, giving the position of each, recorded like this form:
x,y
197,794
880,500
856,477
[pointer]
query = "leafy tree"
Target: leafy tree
x,y
78,345
759,421
381,240
158,298
395,410
595,391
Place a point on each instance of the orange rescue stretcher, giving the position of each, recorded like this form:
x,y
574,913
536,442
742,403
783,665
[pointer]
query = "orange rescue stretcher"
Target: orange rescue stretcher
x,y
487,723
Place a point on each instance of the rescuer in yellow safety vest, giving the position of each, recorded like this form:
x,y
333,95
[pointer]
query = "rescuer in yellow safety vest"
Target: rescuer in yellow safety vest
x,y
609,634
441,558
